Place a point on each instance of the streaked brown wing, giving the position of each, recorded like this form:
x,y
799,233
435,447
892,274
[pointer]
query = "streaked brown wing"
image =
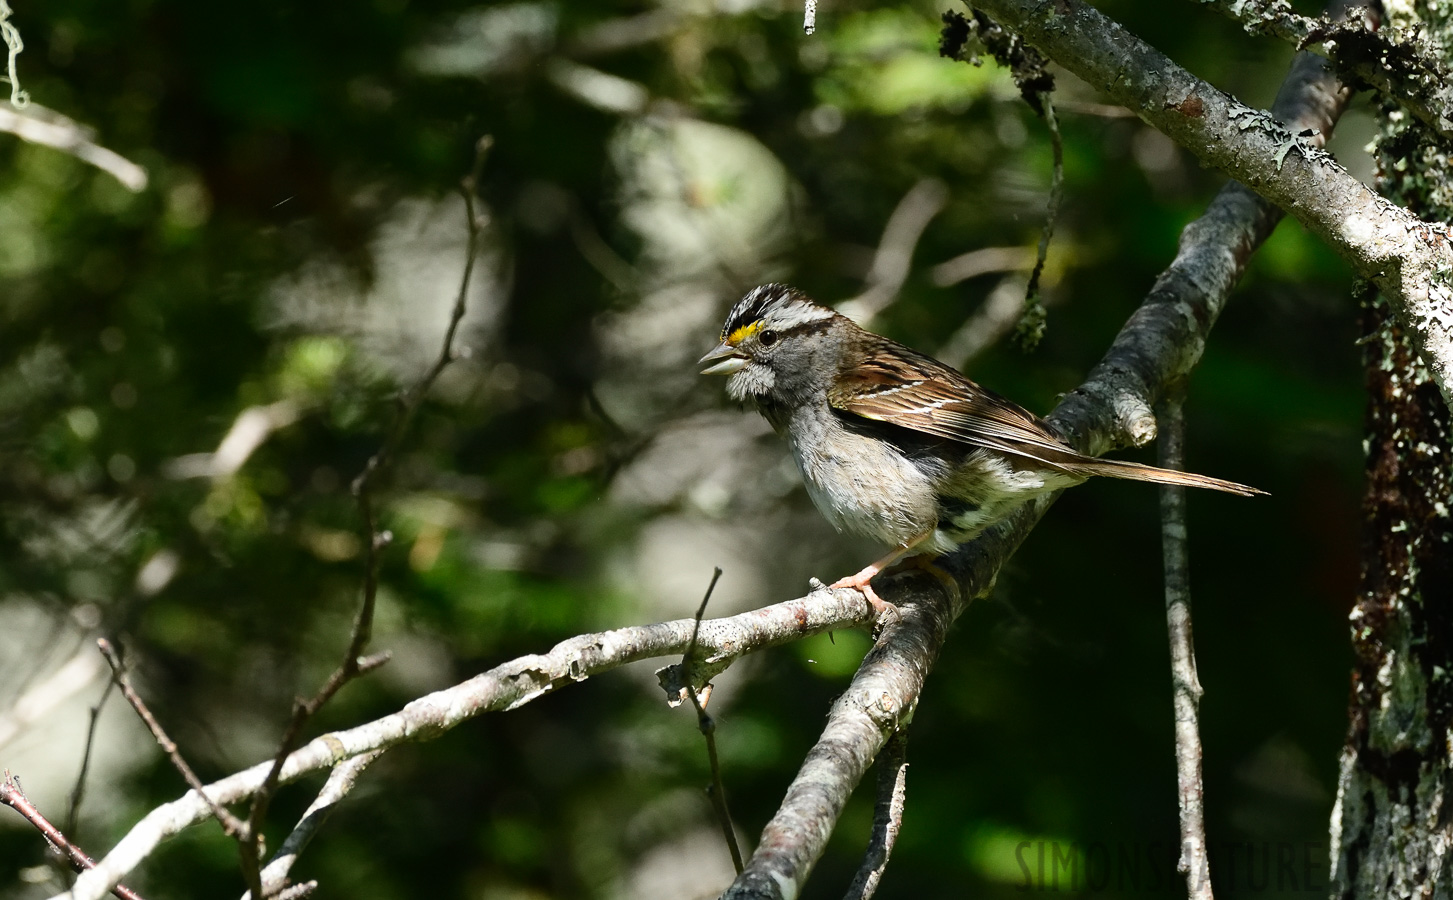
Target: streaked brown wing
x,y
914,391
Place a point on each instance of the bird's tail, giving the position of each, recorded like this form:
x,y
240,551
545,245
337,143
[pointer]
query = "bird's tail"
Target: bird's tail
x,y
1119,468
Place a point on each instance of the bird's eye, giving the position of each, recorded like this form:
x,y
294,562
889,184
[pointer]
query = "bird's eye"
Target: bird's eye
x,y
768,338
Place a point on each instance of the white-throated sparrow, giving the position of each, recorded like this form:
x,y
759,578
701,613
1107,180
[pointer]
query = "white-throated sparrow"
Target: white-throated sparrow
x,y
893,444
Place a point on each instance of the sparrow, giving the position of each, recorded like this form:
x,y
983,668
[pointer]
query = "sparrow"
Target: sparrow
x,y
892,444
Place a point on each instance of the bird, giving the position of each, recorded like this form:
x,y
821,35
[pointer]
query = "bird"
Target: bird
x,y
893,444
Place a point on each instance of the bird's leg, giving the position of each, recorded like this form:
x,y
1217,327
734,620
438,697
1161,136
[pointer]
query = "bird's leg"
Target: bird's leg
x,y
861,580
925,562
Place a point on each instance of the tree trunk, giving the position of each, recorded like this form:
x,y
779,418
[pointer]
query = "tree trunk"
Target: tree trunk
x,y
1392,825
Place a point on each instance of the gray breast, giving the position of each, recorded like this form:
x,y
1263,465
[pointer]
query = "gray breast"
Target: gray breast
x,y
859,482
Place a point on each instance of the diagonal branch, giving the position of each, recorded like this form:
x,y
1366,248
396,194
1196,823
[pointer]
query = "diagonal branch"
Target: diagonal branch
x,y
887,817
47,128
233,826
339,784
12,796
1159,346
1410,260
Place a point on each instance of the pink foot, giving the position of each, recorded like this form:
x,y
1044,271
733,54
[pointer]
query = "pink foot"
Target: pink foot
x,y
860,582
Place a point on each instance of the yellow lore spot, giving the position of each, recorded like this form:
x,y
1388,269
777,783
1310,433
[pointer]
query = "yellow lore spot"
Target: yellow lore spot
x,y
741,334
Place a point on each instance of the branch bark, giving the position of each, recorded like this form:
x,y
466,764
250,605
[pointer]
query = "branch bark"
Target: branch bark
x,y
1408,259
1403,69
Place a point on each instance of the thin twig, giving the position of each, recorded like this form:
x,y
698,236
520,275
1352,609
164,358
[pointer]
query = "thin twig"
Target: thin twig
x,y
887,816
12,796
234,826
353,664
809,16
716,791
1193,863
1030,329
340,782
893,260
78,793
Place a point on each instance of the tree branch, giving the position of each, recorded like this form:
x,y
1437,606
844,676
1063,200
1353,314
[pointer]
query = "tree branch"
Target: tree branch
x,y
707,726
505,687
234,826
1402,69
1159,345
340,782
49,128
894,257
1410,260
887,817
12,796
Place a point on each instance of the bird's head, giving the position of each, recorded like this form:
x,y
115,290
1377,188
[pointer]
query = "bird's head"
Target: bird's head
x,y
775,343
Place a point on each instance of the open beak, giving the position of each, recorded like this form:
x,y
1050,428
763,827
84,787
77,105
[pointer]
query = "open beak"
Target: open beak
x,y
731,360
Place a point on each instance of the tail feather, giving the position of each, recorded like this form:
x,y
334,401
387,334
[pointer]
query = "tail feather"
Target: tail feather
x,y
1119,468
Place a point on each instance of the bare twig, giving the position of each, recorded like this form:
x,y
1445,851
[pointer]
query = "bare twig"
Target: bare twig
x,y
252,427
980,262
354,664
1030,329
894,257
340,782
39,699
1193,862
505,687
809,16
48,128
892,766
707,725
78,793
12,796
234,826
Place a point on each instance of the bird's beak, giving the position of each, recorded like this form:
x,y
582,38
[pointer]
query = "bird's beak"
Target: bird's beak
x,y
731,358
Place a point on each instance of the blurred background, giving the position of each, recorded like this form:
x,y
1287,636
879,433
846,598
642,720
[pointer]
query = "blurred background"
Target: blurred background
x,y
192,374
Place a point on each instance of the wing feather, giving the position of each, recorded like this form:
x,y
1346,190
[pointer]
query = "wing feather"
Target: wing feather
x,y
908,389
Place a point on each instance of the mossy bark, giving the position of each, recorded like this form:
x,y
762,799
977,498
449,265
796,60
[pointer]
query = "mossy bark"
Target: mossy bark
x,y
1393,823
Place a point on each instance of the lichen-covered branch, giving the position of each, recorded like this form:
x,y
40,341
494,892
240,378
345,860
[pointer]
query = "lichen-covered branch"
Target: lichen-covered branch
x,y
1408,259
505,687
1159,345
1402,68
